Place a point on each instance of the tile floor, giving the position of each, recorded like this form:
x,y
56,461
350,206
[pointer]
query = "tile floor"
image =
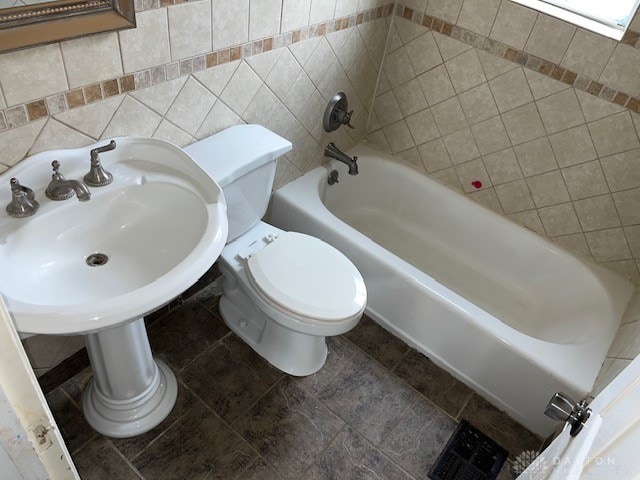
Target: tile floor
x,y
378,409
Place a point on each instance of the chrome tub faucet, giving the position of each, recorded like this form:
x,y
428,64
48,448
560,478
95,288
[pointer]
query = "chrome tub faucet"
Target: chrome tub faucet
x,y
334,152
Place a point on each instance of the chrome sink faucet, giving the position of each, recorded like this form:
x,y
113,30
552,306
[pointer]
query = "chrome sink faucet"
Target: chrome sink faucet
x,y
334,152
23,201
60,188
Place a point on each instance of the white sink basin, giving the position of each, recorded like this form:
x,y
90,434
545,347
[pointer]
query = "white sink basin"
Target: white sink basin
x,y
161,223
98,267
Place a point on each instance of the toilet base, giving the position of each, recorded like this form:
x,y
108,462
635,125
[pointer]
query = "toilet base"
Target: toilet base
x,y
295,353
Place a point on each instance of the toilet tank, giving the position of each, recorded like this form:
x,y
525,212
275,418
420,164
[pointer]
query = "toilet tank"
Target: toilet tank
x,y
242,160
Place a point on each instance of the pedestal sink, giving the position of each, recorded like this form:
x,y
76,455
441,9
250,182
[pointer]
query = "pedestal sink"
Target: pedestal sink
x,y
96,268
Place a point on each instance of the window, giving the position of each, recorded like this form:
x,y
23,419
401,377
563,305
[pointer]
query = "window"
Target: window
x,y
607,17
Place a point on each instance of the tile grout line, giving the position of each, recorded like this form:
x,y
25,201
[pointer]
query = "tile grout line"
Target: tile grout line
x,y
33,110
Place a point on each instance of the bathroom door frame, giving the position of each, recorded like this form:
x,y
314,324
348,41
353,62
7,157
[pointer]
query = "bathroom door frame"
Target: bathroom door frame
x,y
30,441
606,448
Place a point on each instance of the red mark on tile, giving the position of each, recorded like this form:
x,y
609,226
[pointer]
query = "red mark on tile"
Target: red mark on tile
x,y
477,184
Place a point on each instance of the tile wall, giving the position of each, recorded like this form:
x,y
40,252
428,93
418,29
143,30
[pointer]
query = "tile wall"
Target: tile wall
x,y
542,113
192,69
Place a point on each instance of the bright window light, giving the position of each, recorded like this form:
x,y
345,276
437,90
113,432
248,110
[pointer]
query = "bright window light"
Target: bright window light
x,y
607,17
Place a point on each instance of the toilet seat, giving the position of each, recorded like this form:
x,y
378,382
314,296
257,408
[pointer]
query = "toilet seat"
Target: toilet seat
x,y
307,278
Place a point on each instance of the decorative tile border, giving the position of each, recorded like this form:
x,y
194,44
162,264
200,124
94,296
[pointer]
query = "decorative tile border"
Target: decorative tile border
x,y
28,112
525,59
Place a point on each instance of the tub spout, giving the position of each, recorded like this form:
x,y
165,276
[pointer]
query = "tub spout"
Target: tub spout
x,y
334,152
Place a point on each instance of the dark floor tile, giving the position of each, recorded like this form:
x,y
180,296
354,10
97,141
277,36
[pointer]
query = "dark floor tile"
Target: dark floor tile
x,y
506,473
199,446
361,392
76,385
419,438
350,456
65,370
230,377
499,426
70,420
207,279
433,382
99,461
289,428
377,342
131,447
209,297
259,470
180,336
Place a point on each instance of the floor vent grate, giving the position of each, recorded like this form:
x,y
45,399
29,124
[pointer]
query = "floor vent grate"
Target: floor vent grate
x,y
469,455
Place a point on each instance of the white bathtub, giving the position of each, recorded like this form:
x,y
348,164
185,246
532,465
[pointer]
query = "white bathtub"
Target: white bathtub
x,y
503,309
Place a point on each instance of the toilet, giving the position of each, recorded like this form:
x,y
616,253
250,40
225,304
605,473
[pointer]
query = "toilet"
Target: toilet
x,y
282,292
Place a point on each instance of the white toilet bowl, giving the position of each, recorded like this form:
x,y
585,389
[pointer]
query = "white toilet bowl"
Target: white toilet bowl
x,y
284,292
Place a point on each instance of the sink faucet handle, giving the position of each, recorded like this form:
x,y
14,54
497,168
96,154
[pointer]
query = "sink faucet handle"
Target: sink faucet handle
x,y
23,201
98,176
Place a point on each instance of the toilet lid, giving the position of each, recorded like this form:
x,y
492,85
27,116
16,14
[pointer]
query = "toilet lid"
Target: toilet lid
x,y
308,277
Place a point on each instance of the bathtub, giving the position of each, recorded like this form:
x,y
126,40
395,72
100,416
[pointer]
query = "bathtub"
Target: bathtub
x,y
509,313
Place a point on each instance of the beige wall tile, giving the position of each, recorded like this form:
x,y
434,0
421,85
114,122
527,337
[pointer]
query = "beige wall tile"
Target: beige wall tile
x,y
56,135
436,85
529,219
471,172
595,108
189,29
573,146
80,59
91,119
536,157
449,47
585,180
398,68
299,93
633,239
465,71
321,10
560,220
398,136
445,9
295,14
502,166
628,205
32,73
219,118
488,198
608,245
412,158
490,135
191,106
448,177
410,97
418,5
511,90
387,109
513,24
548,189
160,97
241,89
514,196
621,171
542,86
449,116
434,155
613,367
461,146
147,45
344,8
423,53
168,132
597,213
613,134
230,23
560,111
264,18
493,65
217,78
588,53
623,70
550,38
17,141
576,243
132,118
523,124
478,104
422,126
478,15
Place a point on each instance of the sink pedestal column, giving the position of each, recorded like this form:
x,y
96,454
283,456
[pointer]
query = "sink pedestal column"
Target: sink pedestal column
x,y
130,392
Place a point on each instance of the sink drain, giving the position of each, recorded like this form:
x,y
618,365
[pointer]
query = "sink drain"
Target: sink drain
x,y
97,259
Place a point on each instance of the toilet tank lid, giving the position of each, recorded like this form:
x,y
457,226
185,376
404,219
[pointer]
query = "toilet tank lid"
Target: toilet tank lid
x,y
234,152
